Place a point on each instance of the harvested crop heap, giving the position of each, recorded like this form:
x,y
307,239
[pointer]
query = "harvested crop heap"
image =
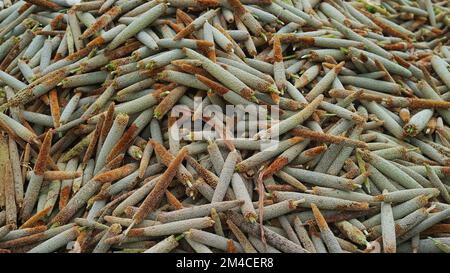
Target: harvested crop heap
x,y
359,99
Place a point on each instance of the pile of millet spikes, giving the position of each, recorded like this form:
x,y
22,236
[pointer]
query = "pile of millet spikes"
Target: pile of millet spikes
x,y
88,163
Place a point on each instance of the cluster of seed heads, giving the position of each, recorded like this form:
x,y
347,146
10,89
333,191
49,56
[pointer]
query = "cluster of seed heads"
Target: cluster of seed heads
x,y
90,159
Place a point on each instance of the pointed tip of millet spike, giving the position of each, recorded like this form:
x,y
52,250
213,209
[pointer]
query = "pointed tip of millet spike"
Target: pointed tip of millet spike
x,y
431,208
191,194
125,233
252,218
54,225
